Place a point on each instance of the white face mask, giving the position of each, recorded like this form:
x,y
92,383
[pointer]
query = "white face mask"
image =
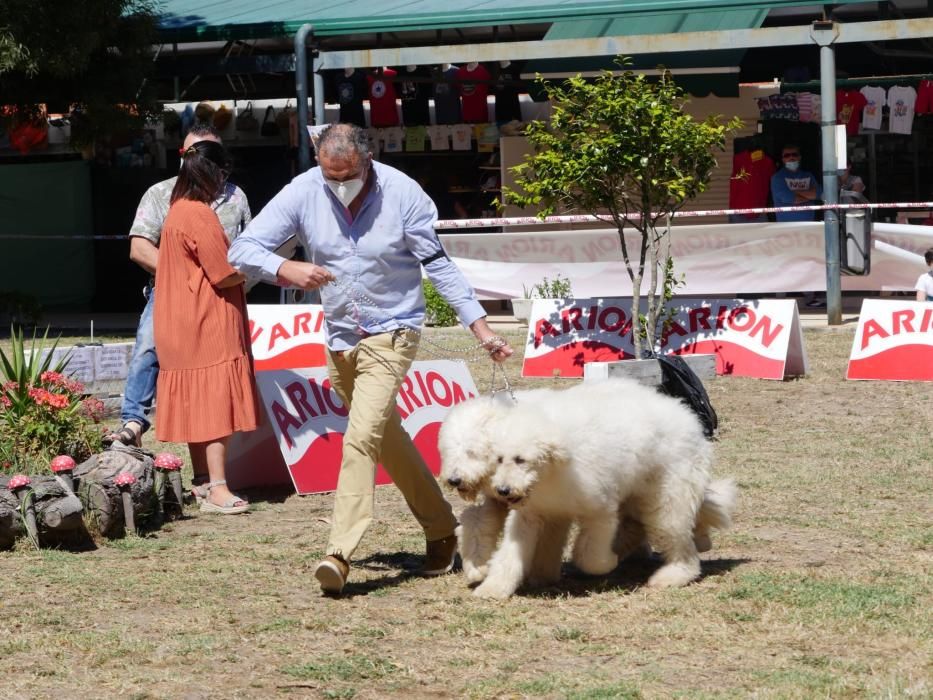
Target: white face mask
x,y
792,165
347,190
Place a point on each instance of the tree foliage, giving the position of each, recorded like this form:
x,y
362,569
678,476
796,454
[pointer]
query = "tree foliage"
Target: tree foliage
x,y
622,147
92,55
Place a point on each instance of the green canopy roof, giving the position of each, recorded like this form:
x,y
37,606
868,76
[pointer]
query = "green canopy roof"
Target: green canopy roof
x,y
228,19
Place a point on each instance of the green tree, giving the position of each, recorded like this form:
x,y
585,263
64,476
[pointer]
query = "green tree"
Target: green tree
x,y
623,148
89,55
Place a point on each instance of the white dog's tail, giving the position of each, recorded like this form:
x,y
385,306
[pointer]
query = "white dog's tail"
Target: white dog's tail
x,y
715,511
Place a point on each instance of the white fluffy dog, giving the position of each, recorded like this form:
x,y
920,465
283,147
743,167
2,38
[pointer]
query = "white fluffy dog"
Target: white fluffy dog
x,y
465,446
577,457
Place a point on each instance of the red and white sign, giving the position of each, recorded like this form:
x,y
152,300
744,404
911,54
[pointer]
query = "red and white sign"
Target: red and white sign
x,y
309,418
287,335
282,336
893,341
754,338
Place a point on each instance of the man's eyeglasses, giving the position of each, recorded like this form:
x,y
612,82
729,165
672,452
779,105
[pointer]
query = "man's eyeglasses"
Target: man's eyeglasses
x,y
790,155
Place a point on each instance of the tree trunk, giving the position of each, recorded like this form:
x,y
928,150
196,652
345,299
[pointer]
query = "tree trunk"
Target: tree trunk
x,y
57,510
102,499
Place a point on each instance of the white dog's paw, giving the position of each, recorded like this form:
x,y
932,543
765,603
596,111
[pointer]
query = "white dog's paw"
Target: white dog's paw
x,y
673,575
493,588
474,574
702,541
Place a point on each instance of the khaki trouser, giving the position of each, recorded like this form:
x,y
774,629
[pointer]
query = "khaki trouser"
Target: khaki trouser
x,y
367,378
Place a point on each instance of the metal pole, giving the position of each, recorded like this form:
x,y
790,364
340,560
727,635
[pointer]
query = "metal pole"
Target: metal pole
x,y
824,34
318,91
301,95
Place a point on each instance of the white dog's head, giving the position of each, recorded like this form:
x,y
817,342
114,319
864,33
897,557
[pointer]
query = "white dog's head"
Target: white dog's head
x,y
526,447
464,443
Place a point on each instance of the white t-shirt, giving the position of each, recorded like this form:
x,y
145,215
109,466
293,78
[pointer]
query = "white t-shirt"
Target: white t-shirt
x,y
871,113
901,101
925,284
440,137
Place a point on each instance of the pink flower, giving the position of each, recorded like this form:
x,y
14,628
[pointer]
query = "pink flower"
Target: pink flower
x,y
124,479
167,461
62,463
18,481
93,408
5,401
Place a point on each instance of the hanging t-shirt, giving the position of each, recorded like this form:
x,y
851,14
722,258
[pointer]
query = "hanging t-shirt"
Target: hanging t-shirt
x,y
849,105
924,97
462,137
393,137
874,101
507,87
751,180
382,108
351,90
446,96
474,88
414,138
375,140
414,94
901,101
440,137
805,106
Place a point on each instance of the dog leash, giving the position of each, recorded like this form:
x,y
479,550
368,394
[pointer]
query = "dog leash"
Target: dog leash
x,y
478,352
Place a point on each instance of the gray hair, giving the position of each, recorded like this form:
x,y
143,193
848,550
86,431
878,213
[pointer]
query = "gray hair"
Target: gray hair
x,y
344,141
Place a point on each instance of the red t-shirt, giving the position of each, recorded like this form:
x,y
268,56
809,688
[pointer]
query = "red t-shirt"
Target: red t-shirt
x,y
382,109
849,104
751,180
473,94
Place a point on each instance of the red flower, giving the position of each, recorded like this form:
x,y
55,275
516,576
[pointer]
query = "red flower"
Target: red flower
x,y
62,463
93,408
18,481
5,401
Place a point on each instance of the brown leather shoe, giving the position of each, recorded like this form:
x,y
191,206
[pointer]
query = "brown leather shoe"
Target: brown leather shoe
x,y
332,572
440,556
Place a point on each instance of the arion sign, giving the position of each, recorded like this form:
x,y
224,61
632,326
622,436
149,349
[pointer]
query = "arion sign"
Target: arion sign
x,y
302,437
893,341
754,338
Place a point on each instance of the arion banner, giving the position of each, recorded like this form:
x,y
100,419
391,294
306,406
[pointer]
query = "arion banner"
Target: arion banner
x,y
750,338
301,438
309,418
893,341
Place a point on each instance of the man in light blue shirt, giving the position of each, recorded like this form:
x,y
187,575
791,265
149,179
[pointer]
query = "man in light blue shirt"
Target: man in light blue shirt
x,y
791,186
369,230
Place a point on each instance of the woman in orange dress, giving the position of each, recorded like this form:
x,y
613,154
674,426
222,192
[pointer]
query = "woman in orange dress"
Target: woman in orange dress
x,y
206,387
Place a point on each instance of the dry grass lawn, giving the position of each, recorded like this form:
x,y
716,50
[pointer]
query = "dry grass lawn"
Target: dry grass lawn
x,y
822,590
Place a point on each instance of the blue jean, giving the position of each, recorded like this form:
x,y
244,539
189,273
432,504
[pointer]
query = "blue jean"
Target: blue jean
x,y
143,371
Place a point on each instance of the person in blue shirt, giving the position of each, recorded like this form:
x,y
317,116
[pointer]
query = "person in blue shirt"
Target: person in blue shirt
x,y
791,186
368,230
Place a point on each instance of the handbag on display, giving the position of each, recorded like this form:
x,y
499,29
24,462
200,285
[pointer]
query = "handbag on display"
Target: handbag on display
x,y
204,113
284,115
269,127
246,120
222,117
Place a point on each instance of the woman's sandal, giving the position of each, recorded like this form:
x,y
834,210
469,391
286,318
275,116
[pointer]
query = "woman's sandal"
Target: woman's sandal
x,y
199,489
125,435
229,507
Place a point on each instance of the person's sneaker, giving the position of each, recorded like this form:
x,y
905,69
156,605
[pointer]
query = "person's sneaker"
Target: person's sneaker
x,y
332,572
440,556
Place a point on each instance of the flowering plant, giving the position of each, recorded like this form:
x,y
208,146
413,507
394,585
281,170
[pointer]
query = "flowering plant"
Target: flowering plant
x,y
43,413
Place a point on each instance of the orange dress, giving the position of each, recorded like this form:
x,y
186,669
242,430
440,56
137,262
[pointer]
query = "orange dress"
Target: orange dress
x,y
206,389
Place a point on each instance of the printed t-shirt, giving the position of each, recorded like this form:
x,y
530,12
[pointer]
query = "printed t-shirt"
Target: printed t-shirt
x,y
446,96
462,136
474,87
351,89
440,137
382,111
414,138
874,101
751,180
506,88
414,96
901,101
393,138
849,104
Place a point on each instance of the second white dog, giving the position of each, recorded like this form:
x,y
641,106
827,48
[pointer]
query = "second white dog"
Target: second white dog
x,y
576,458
